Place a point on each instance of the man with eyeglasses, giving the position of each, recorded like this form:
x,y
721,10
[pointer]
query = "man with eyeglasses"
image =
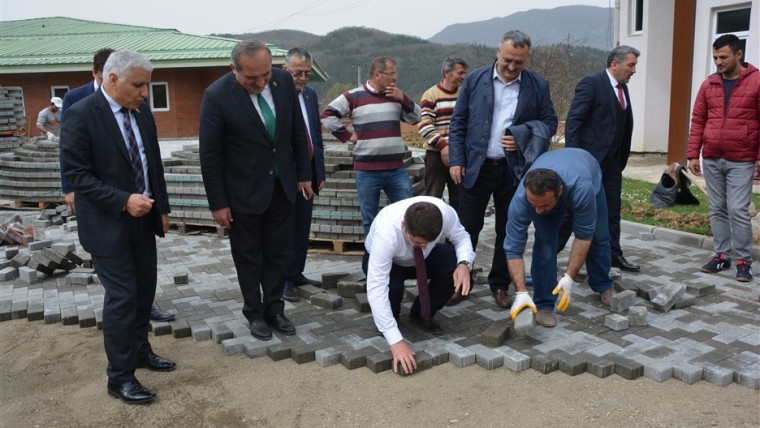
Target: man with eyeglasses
x,y
503,119
298,62
375,109
403,243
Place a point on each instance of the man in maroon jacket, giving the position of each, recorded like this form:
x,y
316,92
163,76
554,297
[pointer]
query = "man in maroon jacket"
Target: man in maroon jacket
x,y
725,128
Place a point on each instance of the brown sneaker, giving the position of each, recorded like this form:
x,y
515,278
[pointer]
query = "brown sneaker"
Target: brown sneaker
x,y
501,295
546,318
607,295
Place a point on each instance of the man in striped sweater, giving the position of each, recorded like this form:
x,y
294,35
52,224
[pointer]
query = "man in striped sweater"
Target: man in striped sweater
x,y
436,105
375,109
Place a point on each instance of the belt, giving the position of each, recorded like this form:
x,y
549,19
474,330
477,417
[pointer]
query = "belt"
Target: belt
x,y
496,161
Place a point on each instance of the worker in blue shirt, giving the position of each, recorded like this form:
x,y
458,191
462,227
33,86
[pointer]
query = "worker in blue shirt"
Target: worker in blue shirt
x,y
563,182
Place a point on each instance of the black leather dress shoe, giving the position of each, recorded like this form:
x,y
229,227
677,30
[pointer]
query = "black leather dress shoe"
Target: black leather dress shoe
x,y
302,280
621,263
131,392
282,324
289,292
431,326
159,315
155,363
260,330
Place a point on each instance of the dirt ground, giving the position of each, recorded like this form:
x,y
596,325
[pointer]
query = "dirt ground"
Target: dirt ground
x,y
54,376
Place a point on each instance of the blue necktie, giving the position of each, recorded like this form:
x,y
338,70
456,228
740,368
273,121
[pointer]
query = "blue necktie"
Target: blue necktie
x,y
134,152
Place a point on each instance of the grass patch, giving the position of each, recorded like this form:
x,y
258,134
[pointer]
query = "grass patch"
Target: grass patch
x,y
687,218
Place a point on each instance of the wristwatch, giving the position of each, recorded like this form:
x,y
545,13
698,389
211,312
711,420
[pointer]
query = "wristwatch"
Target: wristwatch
x,y
466,263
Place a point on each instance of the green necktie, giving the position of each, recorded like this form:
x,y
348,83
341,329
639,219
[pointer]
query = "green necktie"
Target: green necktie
x,y
269,121
268,115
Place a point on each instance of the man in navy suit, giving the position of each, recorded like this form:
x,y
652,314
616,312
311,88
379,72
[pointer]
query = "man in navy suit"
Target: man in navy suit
x,y
78,94
600,120
483,152
74,95
298,63
255,162
111,159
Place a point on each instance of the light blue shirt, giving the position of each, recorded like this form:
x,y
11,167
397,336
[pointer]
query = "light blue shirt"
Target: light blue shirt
x,y
116,109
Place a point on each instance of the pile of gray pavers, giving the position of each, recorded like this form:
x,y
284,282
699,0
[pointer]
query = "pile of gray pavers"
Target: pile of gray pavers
x,y
714,336
12,118
32,172
44,258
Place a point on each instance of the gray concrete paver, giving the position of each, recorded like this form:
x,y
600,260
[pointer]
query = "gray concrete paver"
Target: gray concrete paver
x,y
717,339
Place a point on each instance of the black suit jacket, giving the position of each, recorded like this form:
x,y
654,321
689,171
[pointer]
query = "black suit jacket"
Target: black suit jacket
x,y
592,121
95,163
238,156
315,126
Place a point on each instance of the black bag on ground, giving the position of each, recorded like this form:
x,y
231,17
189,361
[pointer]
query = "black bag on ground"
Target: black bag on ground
x,y
673,188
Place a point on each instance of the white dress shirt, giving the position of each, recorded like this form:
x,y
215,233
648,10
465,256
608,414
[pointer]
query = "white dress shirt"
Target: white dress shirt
x,y
387,245
267,94
614,84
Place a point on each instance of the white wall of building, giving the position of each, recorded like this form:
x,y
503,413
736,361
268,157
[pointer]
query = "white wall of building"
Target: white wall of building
x,y
650,86
704,30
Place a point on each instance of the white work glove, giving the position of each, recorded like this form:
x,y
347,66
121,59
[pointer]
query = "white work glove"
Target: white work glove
x,y
522,301
565,286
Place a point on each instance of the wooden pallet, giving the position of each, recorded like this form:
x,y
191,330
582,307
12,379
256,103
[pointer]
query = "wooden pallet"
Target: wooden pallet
x,y
30,205
197,229
336,246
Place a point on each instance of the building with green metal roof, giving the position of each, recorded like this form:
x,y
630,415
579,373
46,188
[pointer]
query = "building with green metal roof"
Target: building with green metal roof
x,y
48,56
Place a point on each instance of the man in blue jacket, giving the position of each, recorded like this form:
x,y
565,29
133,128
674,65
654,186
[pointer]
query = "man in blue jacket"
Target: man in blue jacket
x,y
482,149
560,183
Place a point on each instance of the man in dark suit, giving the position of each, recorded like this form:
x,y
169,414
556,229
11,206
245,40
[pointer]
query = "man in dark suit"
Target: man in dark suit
x,y
298,63
78,94
255,162
483,153
600,120
111,159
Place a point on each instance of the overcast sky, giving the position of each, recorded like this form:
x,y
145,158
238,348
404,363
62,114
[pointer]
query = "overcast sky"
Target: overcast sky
x,y
413,17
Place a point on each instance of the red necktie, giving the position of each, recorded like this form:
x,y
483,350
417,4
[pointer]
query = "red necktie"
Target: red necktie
x,y
620,95
422,285
308,141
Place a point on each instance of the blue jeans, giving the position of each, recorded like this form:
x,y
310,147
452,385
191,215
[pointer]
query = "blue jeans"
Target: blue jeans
x,y
543,268
395,183
729,192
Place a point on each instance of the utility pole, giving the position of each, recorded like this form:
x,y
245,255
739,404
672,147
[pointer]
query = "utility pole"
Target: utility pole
x,y
358,67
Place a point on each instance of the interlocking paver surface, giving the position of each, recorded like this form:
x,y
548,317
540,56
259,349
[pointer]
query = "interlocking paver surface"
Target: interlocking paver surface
x,y
714,336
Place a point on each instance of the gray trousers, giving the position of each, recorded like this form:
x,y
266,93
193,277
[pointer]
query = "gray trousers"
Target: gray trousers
x,y
729,192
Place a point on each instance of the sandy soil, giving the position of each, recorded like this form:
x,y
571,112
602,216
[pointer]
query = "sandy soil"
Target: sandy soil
x,y
54,375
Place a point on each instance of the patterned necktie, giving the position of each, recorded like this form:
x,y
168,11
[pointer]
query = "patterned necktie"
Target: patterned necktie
x,y
422,285
134,152
266,111
620,95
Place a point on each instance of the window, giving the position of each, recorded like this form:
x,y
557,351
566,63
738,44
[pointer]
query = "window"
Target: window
x,y
637,16
734,21
159,96
58,91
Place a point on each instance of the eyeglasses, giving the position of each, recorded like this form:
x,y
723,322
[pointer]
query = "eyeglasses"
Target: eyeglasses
x,y
300,73
394,74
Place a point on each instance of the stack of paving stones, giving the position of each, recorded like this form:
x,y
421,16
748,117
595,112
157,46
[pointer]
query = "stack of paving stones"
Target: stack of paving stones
x,y
715,339
335,219
336,215
31,173
187,196
12,118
